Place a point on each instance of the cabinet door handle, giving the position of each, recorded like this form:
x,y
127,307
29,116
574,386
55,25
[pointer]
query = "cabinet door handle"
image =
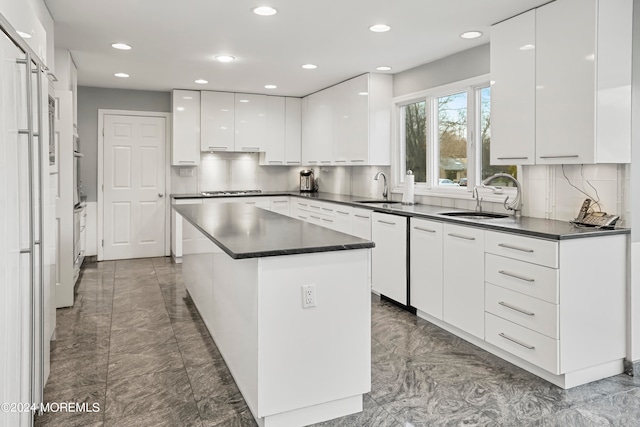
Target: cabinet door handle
x,y
279,201
460,236
357,161
526,279
315,217
325,161
186,161
275,162
343,213
327,209
250,148
361,216
313,161
302,204
293,163
569,156
387,222
341,161
513,340
302,217
218,148
424,229
250,203
328,220
512,158
315,207
520,310
515,248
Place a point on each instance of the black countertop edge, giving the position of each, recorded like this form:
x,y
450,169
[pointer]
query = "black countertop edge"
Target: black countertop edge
x,y
509,225
363,244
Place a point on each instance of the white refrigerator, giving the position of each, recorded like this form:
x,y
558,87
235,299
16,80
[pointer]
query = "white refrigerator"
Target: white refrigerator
x,y
22,297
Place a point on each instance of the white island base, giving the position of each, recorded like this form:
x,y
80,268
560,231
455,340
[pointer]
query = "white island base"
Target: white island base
x,y
294,366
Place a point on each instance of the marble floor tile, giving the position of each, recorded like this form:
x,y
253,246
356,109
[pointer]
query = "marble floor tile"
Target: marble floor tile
x,y
83,307
147,393
143,319
162,262
82,328
88,395
155,359
372,415
198,351
243,419
209,380
185,415
137,301
226,405
76,373
74,348
140,340
190,329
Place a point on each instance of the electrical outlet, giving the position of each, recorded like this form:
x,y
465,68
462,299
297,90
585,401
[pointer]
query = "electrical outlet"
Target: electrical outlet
x,y
308,296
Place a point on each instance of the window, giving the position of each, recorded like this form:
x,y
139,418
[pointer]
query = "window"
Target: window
x,y
445,137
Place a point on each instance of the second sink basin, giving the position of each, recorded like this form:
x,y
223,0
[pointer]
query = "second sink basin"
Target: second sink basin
x,y
474,215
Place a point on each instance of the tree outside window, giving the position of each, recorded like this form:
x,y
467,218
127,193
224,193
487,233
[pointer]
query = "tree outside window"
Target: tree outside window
x,y
415,128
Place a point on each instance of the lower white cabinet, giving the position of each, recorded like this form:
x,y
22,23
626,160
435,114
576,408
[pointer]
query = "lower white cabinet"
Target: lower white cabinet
x,y
280,205
426,266
464,278
361,223
389,256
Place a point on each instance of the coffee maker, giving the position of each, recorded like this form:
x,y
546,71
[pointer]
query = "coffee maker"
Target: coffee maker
x,y
307,181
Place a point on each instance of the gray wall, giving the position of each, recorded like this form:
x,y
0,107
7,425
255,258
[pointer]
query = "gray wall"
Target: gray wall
x,y
463,65
90,99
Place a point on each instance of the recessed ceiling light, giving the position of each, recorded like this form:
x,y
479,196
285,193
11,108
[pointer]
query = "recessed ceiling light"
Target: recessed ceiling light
x,y
225,58
244,100
471,35
201,81
121,46
383,68
264,10
379,28
122,75
24,35
270,86
527,47
309,66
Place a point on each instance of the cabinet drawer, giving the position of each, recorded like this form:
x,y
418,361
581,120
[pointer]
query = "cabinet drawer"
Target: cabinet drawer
x,y
537,251
531,346
532,313
526,278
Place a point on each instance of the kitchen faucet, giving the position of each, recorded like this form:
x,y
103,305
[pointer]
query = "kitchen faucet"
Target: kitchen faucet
x,y
478,199
385,189
516,204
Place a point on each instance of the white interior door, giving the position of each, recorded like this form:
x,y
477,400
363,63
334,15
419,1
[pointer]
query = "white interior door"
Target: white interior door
x,y
134,187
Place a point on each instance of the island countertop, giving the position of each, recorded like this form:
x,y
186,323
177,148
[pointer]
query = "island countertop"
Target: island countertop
x,y
244,231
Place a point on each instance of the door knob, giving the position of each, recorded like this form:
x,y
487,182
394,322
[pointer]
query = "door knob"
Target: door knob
x,y
160,195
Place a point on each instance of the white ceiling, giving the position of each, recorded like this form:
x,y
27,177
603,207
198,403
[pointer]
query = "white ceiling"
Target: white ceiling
x,y
174,41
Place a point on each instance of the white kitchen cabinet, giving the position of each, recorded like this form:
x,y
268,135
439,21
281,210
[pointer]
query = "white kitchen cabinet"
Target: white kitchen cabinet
x,y
513,90
178,232
582,84
185,128
280,204
250,122
343,219
426,266
283,136
218,121
361,223
67,74
389,257
349,123
464,278
583,77
293,131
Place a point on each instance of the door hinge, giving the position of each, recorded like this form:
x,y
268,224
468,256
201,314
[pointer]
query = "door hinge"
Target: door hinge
x,y
102,242
102,131
103,188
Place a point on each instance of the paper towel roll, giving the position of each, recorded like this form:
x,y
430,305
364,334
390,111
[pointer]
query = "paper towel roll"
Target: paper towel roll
x,y
409,187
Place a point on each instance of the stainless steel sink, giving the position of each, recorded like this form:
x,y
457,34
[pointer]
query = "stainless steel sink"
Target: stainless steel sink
x,y
377,201
474,215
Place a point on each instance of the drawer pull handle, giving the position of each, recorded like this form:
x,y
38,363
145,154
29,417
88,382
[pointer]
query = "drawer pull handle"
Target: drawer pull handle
x,y
293,163
361,216
526,279
513,158
516,248
528,313
508,338
302,204
280,201
302,217
424,229
327,209
387,222
343,213
328,220
315,207
315,217
568,156
460,236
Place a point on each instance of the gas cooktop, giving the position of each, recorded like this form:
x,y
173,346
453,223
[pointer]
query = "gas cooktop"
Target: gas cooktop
x,y
229,193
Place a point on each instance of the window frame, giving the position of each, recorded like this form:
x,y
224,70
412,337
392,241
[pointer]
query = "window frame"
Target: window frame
x,y
472,87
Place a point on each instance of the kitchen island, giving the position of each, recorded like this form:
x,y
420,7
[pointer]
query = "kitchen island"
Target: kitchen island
x,y
288,305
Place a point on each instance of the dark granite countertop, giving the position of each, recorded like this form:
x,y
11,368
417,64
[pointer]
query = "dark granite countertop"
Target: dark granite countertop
x,y
528,226
245,231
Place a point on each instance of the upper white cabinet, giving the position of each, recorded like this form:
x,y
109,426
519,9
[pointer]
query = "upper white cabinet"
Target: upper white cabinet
x,y
349,123
582,84
282,147
250,122
67,75
185,128
218,121
513,102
